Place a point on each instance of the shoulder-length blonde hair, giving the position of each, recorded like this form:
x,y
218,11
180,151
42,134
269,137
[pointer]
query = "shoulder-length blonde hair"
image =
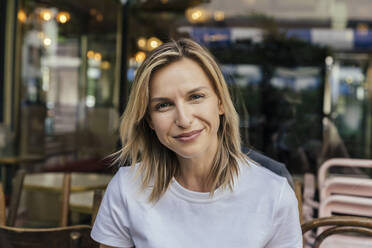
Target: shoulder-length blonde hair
x,y
156,163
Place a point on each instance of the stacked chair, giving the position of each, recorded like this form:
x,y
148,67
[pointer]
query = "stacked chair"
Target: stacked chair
x,y
345,204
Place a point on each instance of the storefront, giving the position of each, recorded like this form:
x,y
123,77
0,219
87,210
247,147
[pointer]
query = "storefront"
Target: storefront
x,y
299,71
62,92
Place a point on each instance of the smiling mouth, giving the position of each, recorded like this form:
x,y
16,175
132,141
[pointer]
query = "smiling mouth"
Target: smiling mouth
x,y
189,136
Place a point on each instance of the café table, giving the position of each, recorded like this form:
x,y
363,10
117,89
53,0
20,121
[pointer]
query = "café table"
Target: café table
x,y
82,202
9,164
52,181
43,189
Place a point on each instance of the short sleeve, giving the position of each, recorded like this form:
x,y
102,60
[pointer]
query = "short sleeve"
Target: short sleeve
x,y
111,226
286,232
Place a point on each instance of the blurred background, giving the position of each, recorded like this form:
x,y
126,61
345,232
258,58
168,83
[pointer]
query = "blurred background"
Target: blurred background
x,y
299,71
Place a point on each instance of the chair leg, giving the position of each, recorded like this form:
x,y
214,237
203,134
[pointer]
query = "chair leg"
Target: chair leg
x,y
98,195
298,192
65,199
2,206
15,197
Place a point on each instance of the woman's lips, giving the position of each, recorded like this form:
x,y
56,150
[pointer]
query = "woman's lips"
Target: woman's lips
x,y
189,136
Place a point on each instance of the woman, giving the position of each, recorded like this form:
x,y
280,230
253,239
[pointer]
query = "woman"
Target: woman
x,y
189,185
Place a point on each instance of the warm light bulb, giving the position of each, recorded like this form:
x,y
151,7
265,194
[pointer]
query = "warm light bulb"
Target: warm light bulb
x,y
196,15
141,42
47,41
105,65
140,56
153,43
99,17
90,54
22,17
46,14
63,17
98,56
219,16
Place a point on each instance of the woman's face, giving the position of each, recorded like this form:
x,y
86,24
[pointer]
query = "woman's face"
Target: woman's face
x,y
184,109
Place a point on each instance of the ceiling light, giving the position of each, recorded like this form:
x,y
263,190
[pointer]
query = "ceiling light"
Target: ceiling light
x,y
46,14
153,43
22,17
98,56
140,56
141,42
63,17
47,41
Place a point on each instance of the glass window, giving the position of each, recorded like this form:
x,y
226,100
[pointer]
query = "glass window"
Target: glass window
x,y
67,58
299,71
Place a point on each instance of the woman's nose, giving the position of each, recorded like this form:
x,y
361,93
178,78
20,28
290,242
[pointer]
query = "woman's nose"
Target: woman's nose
x,y
183,117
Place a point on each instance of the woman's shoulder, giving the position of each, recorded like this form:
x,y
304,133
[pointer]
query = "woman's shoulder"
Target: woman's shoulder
x,y
265,185
125,180
126,171
253,171
256,180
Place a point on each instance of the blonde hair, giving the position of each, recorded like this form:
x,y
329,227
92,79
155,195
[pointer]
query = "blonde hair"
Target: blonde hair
x,y
156,163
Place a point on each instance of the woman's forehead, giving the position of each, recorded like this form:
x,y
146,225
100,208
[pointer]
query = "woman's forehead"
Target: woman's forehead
x,y
183,74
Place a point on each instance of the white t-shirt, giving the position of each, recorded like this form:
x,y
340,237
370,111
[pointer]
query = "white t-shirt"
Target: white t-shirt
x,y
260,212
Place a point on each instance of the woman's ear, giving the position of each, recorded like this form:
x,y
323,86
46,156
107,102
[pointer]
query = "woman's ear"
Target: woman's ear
x,y
221,109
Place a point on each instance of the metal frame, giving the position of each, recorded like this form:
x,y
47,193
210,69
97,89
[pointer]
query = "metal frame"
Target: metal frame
x,y
9,54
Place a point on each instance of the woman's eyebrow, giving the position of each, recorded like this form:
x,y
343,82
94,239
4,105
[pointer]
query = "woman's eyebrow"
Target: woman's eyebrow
x,y
195,90
160,99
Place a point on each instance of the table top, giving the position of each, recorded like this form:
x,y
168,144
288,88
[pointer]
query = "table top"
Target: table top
x,y
82,202
53,181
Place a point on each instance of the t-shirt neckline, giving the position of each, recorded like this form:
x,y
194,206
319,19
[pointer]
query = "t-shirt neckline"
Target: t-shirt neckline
x,y
194,196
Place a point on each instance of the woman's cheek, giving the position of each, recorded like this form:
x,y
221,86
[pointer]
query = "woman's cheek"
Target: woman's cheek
x,y
162,120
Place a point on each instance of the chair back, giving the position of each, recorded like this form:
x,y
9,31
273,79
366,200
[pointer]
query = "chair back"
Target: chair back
x,y
343,162
346,205
18,186
346,186
60,237
342,194
341,225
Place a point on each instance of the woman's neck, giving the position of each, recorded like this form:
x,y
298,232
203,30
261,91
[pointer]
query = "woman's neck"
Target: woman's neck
x,y
194,173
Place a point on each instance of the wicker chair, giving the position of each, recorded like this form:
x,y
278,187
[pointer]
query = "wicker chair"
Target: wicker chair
x,y
59,237
342,225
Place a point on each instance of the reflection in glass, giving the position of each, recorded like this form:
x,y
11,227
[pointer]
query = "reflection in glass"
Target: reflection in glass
x,y
68,58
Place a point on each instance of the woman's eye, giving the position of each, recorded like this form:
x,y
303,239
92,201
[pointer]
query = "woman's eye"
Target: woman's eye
x,y
162,106
196,96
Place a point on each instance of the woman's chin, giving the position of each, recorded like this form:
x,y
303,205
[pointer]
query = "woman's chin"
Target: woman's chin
x,y
189,154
